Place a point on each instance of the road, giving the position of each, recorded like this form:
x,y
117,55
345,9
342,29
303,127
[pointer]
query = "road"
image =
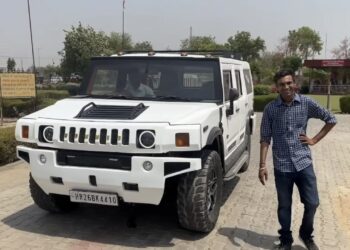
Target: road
x,y
248,218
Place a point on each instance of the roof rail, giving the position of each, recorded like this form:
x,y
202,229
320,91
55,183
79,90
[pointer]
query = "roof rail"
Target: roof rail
x,y
209,53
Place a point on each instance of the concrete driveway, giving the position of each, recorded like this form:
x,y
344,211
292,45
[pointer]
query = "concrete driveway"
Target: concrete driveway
x,y
248,218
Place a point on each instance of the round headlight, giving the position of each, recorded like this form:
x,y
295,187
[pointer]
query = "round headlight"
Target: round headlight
x,y
147,139
48,133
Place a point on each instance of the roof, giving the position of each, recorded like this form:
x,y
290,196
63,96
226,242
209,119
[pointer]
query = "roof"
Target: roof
x,y
327,63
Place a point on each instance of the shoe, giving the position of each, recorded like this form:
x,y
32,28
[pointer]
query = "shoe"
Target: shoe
x,y
283,246
309,243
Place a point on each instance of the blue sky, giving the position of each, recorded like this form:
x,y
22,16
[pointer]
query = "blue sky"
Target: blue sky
x,y
164,22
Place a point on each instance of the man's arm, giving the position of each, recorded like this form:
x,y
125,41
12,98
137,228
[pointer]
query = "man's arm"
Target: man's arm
x,y
263,174
323,132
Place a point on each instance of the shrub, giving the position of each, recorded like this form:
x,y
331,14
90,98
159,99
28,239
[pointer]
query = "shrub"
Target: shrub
x,y
53,94
72,89
304,89
261,101
262,89
345,104
13,107
7,145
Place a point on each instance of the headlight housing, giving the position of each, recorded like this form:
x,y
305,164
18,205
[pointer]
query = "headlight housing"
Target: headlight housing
x,y
146,139
46,134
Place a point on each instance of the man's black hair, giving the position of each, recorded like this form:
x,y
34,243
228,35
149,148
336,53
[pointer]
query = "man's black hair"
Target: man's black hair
x,y
282,73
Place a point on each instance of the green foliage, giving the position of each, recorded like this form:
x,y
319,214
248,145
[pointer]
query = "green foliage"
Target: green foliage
x,y
264,68
319,74
248,47
15,107
261,89
82,43
144,46
303,42
292,62
115,42
261,101
344,103
11,65
53,94
71,89
200,43
7,145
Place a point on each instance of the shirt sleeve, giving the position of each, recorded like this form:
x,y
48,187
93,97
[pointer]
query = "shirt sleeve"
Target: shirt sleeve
x,y
266,127
318,112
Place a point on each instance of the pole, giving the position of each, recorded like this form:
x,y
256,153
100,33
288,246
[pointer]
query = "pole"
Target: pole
x,y
123,25
325,48
328,95
31,39
1,105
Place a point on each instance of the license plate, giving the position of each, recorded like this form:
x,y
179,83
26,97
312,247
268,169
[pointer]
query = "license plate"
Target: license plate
x,y
94,198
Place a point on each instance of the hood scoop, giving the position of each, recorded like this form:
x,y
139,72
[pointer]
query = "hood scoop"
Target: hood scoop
x,y
93,111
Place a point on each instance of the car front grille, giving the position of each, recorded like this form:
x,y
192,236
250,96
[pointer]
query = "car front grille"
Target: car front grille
x,y
102,136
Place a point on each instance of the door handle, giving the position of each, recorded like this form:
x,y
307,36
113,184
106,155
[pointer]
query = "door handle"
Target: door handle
x,y
246,104
237,109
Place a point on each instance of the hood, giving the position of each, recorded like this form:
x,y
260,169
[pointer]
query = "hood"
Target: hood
x,y
167,112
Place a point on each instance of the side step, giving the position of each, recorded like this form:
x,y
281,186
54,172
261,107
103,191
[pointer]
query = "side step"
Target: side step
x,y
235,168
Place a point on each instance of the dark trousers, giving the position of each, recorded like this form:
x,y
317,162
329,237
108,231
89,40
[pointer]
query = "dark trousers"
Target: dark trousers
x,y
305,180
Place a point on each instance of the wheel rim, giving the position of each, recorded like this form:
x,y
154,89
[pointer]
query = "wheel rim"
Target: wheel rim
x,y
212,190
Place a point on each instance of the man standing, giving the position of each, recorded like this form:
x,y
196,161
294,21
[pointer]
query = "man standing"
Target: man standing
x,y
285,121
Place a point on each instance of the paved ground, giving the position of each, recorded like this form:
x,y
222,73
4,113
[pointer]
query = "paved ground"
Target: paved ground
x,y
248,217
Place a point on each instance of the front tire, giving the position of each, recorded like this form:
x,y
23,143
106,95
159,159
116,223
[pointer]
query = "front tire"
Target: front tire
x,y
199,194
53,203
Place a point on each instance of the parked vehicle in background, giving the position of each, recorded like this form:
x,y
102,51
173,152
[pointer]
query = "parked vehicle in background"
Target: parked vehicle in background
x,y
143,121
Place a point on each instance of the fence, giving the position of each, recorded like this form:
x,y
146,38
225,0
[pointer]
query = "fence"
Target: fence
x,y
335,89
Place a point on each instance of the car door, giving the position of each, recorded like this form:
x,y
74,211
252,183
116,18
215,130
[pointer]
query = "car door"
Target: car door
x,y
232,122
242,102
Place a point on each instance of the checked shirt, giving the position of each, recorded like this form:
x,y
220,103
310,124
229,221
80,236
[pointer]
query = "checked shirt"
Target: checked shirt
x,y
284,124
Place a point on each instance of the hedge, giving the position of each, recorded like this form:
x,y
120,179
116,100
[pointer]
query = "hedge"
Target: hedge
x,y
344,103
7,145
262,89
261,101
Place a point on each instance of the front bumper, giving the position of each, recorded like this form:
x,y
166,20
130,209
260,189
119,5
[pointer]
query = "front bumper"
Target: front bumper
x,y
150,183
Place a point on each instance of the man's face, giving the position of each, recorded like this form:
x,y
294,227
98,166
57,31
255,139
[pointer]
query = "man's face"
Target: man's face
x,y
286,87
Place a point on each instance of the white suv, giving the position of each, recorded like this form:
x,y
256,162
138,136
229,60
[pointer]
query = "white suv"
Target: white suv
x,y
140,121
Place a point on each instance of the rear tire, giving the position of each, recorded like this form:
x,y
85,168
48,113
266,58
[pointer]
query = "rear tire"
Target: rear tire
x,y
199,194
53,203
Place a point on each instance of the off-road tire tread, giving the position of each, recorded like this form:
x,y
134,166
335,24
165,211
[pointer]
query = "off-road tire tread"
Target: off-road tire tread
x,y
50,203
191,195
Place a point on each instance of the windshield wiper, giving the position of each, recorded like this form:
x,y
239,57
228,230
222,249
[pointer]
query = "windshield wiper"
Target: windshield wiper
x,y
172,98
103,96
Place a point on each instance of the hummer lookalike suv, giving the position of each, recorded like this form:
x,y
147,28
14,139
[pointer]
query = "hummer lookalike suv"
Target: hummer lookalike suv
x,y
140,121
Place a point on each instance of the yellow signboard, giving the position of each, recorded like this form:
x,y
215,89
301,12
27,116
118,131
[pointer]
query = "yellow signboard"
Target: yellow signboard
x,y
17,85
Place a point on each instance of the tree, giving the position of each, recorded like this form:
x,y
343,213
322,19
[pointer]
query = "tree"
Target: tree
x,y
80,44
303,42
11,65
242,43
343,51
115,42
292,62
264,68
200,43
145,45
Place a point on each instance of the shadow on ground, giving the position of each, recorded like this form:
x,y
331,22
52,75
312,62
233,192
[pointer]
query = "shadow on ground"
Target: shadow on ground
x,y
252,238
131,226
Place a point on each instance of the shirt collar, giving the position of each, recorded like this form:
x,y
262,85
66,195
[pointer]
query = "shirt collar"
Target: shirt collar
x,y
295,99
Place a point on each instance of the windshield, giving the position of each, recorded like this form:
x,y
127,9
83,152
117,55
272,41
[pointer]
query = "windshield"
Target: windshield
x,y
154,79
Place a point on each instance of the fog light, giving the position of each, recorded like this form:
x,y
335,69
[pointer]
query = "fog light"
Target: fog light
x,y
42,159
147,165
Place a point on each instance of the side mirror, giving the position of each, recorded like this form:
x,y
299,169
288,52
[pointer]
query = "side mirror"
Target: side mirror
x,y
233,96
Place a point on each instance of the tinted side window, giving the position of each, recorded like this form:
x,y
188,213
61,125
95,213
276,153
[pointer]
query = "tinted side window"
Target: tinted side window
x,y
227,83
248,81
239,82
